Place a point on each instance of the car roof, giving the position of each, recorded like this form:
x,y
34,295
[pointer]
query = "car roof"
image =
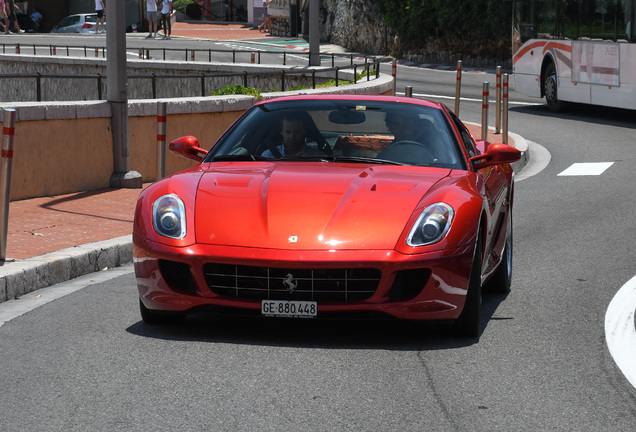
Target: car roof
x,y
382,98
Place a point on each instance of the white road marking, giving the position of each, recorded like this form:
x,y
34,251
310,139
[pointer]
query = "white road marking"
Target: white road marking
x,y
620,332
586,169
465,99
539,159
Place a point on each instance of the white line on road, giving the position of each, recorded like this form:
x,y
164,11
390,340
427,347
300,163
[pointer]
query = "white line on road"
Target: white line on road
x,y
538,160
431,96
620,332
586,169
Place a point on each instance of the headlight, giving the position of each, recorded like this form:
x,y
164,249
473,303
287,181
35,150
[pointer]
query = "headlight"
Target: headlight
x,y
168,217
432,225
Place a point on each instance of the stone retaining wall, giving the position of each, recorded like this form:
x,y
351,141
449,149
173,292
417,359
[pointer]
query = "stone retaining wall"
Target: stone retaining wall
x,y
74,89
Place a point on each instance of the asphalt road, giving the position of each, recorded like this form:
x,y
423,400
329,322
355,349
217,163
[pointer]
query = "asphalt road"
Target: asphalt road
x,y
86,362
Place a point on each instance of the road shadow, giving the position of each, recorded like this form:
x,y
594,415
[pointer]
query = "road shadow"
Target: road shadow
x,y
317,333
90,204
581,112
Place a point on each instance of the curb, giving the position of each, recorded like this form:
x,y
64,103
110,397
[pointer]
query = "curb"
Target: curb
x,y
25,276
522,145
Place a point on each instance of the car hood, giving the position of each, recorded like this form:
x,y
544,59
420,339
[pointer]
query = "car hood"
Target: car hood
x,y
309,206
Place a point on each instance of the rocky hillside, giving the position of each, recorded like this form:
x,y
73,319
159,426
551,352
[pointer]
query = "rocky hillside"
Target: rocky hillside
x,y
356,25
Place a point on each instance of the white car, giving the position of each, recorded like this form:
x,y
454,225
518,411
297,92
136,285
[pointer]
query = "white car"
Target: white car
x,y
78,23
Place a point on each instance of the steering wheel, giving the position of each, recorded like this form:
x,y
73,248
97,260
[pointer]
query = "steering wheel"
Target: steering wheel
x,y
407,152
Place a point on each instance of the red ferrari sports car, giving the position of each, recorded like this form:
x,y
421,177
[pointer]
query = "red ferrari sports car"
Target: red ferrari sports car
x,y
324,206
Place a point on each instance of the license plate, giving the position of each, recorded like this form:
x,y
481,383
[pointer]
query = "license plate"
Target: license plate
x,y
289,308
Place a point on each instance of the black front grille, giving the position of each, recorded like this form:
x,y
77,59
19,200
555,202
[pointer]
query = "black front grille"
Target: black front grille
x,y
263,283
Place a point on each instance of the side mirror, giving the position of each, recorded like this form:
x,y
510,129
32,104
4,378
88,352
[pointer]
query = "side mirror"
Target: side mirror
x,y
497,154
188,147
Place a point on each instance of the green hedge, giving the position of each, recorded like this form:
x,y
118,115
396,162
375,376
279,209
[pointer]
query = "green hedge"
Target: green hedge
x,y
418,20
189,7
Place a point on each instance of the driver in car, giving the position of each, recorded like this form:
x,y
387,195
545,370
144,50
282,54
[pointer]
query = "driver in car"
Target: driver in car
x,y
410,127
405,128
293,133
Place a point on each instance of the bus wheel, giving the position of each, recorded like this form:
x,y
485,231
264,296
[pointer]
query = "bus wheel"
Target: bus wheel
x,y
550,88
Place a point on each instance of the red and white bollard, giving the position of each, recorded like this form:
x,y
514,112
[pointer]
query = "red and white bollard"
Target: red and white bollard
x,y
394,74
162,109
6,166
458,87
484,112
498,102
505,109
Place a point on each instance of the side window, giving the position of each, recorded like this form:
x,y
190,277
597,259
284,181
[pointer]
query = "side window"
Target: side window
x,y
467,139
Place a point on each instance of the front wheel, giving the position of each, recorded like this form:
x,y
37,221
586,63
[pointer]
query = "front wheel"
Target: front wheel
x,y
550,89
469,322
502,279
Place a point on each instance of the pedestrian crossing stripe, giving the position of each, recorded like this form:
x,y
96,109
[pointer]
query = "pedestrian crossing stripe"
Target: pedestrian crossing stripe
x,y
586,169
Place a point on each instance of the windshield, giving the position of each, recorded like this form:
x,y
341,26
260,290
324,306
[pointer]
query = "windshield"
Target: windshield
x,y
341,130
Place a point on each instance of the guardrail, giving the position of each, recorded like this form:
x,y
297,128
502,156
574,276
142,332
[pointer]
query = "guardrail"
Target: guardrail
x,y
366,68
188,54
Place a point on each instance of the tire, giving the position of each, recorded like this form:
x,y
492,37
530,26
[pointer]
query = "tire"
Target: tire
x,y
154,317
501,280
550,89
469,322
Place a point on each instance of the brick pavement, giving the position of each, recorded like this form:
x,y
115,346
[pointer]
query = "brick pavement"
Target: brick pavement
x,y
42,225
217,31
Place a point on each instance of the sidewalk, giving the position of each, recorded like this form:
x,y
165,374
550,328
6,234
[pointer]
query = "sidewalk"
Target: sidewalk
x,y
230,31
54,239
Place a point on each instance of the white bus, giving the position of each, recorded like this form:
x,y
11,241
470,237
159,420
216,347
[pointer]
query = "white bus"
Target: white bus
x,y
581,51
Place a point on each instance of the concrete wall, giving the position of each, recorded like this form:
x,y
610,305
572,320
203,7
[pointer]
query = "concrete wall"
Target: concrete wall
x,y
66,147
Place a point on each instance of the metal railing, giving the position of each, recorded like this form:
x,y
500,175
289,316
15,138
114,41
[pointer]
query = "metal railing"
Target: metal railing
x,y
368,69
188,54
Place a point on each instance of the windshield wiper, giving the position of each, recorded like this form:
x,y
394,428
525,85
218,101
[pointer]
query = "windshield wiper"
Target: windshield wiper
x,y
358,159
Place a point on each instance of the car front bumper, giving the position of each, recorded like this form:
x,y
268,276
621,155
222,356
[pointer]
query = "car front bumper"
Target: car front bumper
x,y
429,286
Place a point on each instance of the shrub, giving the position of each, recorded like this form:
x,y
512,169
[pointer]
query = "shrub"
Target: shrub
x,y
189,7
417,21
237,89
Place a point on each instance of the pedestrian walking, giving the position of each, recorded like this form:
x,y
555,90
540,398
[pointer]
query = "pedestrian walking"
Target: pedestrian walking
x,y
12,18
166,13
151,15
4,21
100,8
267,23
